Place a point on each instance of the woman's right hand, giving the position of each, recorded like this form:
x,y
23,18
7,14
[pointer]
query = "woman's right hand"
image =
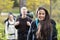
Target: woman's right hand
x,y
38,31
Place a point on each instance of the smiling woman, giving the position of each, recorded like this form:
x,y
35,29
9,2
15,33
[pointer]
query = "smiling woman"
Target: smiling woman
x,y
41,14
44,31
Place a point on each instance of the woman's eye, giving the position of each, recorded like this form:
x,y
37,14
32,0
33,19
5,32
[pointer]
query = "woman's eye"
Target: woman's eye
x,y
39,13
42,13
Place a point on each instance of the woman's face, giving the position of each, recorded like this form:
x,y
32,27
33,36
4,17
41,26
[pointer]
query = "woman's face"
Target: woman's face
x,y
41,14
11,17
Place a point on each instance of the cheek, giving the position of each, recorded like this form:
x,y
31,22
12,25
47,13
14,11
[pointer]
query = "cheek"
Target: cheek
x,y
43,16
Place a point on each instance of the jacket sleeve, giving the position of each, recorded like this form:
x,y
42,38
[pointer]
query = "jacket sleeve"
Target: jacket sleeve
x,y
54,34
6,32
31,31
29,19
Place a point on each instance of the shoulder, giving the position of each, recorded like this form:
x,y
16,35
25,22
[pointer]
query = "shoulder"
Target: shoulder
x,y
18,18
33,23
6,22
53,22
28,17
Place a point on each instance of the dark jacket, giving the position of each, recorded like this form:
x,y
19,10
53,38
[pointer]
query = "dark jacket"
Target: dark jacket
x,y
33,29
54,34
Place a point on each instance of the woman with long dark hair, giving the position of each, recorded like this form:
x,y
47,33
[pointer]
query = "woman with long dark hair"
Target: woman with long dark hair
x,y
42,30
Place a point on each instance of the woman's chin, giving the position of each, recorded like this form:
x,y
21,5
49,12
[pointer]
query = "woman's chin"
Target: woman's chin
x,y
41,19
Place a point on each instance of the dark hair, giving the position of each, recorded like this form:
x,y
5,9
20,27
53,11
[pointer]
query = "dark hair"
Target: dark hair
x,y
47,17
46,25
10,13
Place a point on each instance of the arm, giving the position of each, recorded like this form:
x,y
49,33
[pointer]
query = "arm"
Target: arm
x,y
17,23
31,31
54,34
29,21
29,36
6,32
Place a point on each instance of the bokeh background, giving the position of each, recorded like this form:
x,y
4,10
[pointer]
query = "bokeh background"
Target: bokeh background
x,y
6,6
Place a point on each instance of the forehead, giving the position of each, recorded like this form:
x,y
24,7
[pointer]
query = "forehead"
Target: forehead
x,y
24,8
41,11
10,15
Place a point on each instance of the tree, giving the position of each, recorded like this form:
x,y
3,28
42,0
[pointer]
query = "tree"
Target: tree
x,y
6,5
16,3
33,4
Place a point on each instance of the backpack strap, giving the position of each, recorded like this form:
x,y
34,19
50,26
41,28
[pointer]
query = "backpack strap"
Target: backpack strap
x,y
8,25
37,22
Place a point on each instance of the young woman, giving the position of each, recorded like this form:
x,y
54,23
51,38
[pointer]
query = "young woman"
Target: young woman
x,y
42,30
10,31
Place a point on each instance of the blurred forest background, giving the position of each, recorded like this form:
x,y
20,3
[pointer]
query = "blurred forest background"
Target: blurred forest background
x,y
6,6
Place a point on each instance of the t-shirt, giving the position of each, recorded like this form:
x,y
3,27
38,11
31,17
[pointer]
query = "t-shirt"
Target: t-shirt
x,y
23,27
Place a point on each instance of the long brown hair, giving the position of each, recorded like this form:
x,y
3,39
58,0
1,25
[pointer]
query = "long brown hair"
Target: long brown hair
x,y
46,26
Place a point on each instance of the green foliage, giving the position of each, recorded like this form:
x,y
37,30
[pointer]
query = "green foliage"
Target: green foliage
x,y
6,5
33,4
58,29
15,10
2,35
16,3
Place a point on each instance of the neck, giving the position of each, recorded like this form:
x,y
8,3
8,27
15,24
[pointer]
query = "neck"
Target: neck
x,y
11,20
23,16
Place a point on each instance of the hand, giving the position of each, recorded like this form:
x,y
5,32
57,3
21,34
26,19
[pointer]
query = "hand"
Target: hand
x,y
17,23
38,31
37,35
28,23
